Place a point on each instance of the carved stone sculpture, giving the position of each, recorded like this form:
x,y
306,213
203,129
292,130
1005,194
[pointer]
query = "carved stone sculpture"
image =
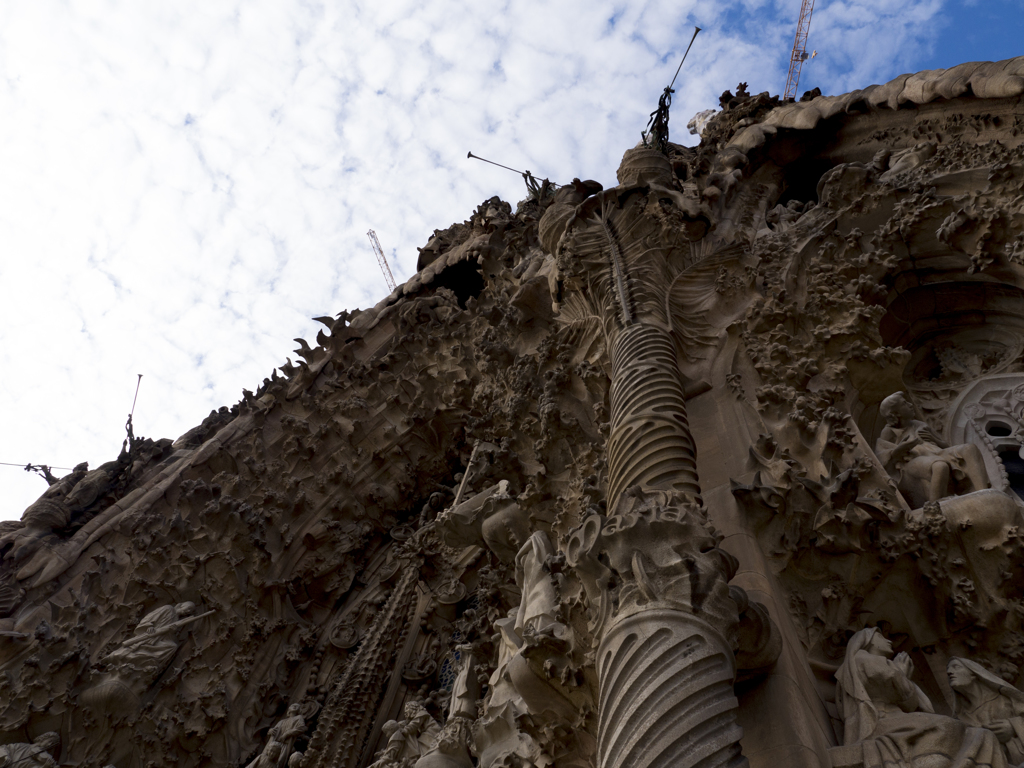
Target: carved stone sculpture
x,y
925,468
539,608
491,517
151,647
49,513
987,701
130,669
892,719
286,731
34,755
451,747
410,738
271,757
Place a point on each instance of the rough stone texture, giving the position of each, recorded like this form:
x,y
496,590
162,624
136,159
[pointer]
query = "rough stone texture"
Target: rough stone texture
x,y
610,482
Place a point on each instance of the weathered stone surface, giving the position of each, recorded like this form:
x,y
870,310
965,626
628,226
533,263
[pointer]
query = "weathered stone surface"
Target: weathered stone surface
x,y
621,477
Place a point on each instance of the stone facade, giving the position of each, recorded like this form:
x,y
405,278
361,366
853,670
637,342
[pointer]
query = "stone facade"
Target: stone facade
x,y
719,466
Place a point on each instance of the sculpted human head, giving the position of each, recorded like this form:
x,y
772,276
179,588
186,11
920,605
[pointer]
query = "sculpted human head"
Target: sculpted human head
x,y
879,645
185,609
960,677
896,409
47,741
293,709
413,709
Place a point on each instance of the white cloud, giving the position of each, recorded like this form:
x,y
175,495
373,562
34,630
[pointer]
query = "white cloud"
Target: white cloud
x,y
185,184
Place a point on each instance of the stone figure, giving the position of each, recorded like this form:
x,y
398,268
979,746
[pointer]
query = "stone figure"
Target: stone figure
x,y
150,649
47,514
286,731
391,755
451,747
410,738
500,685
892,718
987,701
656,135
34,755
909,159
699,121
925,468
465,689
271,756
538,609
491,517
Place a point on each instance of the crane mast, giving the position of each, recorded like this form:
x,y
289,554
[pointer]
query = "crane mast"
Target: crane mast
x,y
799,55
381,260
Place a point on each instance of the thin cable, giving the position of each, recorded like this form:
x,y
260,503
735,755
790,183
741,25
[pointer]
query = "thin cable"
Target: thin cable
x,y
22,466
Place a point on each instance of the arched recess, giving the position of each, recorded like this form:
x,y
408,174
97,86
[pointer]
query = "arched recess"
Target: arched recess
x,y
958,333
927,311
990,413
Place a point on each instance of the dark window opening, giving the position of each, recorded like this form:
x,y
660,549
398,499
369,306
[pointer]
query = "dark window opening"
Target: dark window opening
x,y
802,179
463,278
1014,465
997,429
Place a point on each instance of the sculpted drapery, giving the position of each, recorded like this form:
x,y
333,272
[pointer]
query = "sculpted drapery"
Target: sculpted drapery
x,y
893,720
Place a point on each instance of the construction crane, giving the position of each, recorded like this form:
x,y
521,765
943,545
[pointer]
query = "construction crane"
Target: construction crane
x,y
799,55
381,260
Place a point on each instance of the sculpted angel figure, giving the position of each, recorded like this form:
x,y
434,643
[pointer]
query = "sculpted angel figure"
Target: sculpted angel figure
x,y
987,701
893,719
151,647
925,468
34,755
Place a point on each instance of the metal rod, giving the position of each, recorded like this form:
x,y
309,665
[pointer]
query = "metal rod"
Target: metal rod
x,y
476,157
696,31
469,466
139,384
527,176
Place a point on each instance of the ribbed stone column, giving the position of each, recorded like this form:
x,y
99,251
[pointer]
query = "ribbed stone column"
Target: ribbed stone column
x,y
666,694
665,663
650,443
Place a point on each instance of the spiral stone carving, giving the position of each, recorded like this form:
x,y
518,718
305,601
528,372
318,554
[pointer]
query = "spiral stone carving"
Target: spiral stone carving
x,y
650,443
665,664
666,696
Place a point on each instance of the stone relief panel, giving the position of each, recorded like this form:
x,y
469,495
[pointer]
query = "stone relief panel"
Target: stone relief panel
x,y
925,468
890,721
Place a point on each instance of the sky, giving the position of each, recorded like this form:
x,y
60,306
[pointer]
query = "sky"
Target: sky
x,y
184,184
